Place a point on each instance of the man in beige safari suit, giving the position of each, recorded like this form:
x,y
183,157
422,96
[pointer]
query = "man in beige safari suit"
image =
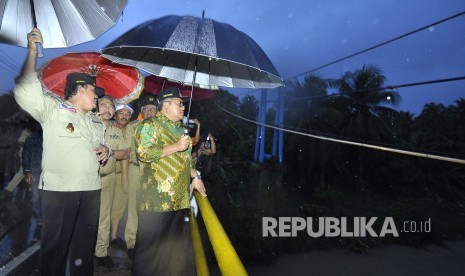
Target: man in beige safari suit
x,y
119,143
74,147
122,117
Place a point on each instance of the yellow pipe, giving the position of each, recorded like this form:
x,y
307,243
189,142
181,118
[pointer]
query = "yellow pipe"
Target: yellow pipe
x,y
226,255
200,260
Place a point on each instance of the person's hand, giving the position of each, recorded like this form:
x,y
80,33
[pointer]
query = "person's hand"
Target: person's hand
x,y
102,153
197,184
183,143
29,178
33,37
195,121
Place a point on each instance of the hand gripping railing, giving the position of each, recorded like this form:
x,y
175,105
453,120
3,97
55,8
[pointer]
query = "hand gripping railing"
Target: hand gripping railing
x,y
228,260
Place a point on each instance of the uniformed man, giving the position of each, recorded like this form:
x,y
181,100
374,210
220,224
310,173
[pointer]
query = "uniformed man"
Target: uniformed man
x,y
167,172
74,146
148,109
119,142
122,117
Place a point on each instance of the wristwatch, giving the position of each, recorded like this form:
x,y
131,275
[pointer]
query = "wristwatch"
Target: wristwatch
x,y
198,176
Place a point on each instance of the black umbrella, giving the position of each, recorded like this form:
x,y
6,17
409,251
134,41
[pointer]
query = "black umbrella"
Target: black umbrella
x,y
195,50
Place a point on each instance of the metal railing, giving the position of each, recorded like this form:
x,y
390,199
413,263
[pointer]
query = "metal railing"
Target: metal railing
x,y
226,256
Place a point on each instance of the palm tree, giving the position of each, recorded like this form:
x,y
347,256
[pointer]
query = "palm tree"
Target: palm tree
x,y
307,110
363,99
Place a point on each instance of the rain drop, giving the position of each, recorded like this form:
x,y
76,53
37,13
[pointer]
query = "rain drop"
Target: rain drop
x,y
290,15
78,262
388,98
431,29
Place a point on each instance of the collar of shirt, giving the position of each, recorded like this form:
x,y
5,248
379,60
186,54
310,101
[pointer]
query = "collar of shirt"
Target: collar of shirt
x,y
167,120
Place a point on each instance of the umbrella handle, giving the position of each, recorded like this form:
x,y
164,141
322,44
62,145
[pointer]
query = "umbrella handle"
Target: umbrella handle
x,y
40,49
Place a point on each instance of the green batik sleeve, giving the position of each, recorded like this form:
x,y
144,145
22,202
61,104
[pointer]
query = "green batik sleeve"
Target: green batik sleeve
x,y
147,147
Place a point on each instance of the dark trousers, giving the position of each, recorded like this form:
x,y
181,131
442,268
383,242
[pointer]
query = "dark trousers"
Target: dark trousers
x,y
159,246
69,232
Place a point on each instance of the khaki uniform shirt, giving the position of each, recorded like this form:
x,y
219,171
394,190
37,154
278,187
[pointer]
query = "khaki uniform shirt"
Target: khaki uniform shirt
x,y
132,152
117,140
126,136
69,161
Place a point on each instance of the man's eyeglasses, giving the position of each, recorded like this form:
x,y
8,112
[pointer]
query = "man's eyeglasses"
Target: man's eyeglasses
x,y
107,106
181,104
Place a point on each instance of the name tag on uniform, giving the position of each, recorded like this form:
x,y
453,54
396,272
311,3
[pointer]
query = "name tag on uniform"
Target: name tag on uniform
x,y
68,107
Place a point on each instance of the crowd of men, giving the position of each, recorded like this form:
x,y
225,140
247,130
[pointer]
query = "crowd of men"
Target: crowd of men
x,y
96,163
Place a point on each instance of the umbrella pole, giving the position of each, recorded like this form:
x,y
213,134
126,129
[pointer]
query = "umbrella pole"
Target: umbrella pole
x,y
186,128
192,88
39,46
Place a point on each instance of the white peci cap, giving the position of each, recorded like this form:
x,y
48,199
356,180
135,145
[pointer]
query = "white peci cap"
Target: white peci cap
x,y
121,106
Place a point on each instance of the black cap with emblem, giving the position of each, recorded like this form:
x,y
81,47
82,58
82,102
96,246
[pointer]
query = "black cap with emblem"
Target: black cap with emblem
x,y
148,99
81,78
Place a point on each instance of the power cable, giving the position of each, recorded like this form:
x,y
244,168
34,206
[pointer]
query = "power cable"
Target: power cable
x,y
353,143
8,59
390,87
381,44
8,66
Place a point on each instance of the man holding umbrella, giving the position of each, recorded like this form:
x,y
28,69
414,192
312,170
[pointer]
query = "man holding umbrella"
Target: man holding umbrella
x,y
166,175
73,148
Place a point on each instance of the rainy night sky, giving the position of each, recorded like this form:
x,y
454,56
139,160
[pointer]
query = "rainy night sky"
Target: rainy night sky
x,y
300,35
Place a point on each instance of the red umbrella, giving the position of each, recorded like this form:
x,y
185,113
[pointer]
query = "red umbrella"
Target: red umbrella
x,y
154,85
123,82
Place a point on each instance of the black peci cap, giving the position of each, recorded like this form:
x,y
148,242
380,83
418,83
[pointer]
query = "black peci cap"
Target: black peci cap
x,y
82,78
171,92
149,99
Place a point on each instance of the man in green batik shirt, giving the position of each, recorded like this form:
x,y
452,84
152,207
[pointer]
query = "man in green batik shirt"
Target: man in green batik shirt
x,y
167,176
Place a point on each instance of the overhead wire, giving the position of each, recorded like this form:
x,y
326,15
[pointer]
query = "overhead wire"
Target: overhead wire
x,y
8,59
390,87
9,64
349,142
380,44
377,46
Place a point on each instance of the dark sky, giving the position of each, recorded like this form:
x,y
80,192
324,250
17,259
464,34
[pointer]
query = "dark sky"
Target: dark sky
x,y
299,35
